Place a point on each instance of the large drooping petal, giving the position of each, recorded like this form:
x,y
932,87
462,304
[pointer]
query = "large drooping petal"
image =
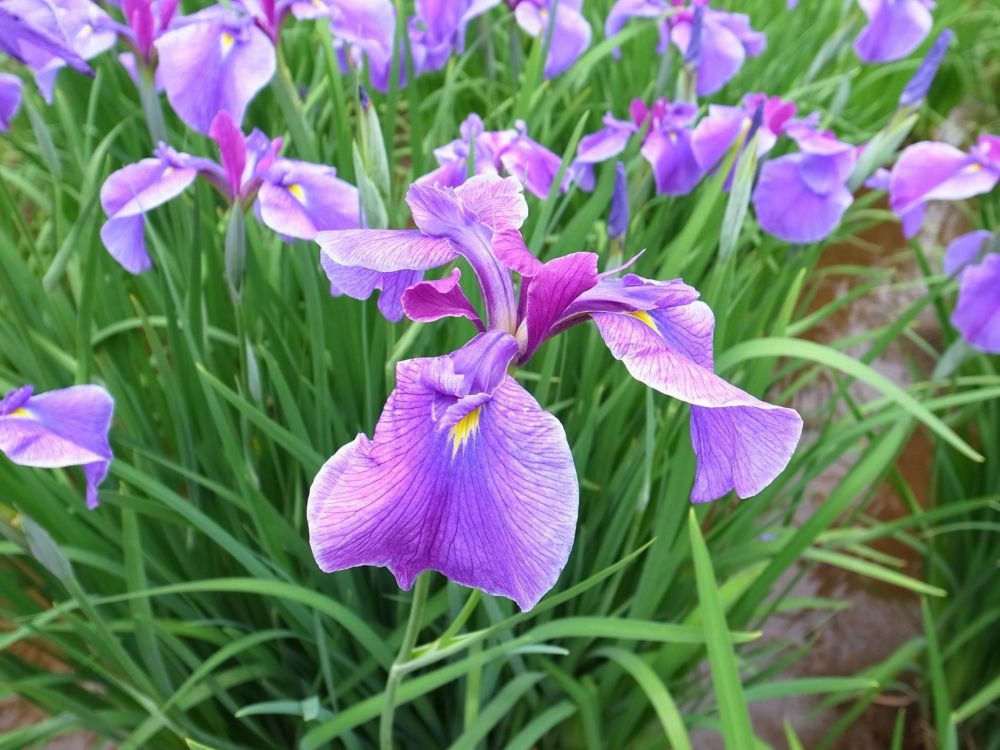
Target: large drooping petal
x,y
68,427
929,171
466,475
789,207
361,283
217,63
32,42
977,313
364,29
10,98
531,163
895,28
741,443
300,199
129,193
428,301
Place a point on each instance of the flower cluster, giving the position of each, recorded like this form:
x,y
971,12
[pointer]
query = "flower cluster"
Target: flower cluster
x,y
466,473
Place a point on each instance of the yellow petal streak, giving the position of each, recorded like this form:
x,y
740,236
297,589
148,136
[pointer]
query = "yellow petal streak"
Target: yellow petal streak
x,y
227,42
646,318
463,430
19,413
297,192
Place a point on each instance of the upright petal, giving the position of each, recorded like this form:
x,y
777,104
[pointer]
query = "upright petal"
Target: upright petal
x,y
68,427
299,199
428,301
920,84
466,475
977,314
232,148
895,28
10,98
741,443
618,215
214,65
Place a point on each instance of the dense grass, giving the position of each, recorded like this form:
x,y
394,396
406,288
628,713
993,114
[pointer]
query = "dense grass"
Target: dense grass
x,y
189,607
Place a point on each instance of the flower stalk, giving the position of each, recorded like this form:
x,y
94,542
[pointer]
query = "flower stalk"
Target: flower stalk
x,y
398,670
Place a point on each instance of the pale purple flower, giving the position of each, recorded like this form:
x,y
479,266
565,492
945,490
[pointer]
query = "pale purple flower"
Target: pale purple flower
x,y
802,197
667,146
895,28
725,42
217,60
10,98
68,427
466,474
929,171
76,30
977,313
920,84
294,198
509,151
570,31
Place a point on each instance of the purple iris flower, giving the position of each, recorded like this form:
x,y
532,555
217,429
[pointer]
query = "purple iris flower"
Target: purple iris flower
x,y
438,30
145,22
895,28
365,30
667,145
50,34
725,42
719,130
510,151
68,427
294,198
977,314
10,98
570,31
802,197
466,474
929,170
215,61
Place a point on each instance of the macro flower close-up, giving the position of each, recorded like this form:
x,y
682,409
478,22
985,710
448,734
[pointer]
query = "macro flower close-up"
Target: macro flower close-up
x,y
499,374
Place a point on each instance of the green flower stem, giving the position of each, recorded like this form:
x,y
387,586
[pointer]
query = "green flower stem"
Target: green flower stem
x,y
396,671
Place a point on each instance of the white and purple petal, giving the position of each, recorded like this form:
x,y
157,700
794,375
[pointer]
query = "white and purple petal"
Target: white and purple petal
x,y
895,28
300,199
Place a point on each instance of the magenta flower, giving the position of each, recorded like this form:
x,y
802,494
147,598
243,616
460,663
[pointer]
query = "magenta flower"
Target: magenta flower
x,y
570,35
68,427
294,198
466,474
977,314
726,39
895,28
10,99
214,61
47,36
667,146
802,197
929,171
500,151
